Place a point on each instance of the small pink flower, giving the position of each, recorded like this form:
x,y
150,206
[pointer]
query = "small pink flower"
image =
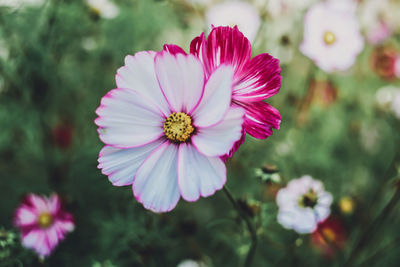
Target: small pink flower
x,y
166,126
255,79
332,37
43,223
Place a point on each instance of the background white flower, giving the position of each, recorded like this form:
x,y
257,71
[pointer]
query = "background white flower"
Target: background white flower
x,y
332,37
105,8
388,97
19,3
302,204
232,13
191,263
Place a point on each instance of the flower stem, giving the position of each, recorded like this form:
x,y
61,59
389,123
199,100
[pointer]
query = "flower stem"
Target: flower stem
x,y
252,231
369,231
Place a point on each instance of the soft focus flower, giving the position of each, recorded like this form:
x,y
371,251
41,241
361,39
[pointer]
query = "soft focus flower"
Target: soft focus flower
x,y
278,8
166,126
332,37
323,92
303,203
191,263
346,205
379,19
388,97
43,223
235,13
329,236
255,79
385,61
62,135
104,8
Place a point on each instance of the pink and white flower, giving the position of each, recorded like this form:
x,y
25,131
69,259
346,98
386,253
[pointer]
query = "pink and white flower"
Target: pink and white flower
x,y
303,203
166,126
332,37
254,80
43,223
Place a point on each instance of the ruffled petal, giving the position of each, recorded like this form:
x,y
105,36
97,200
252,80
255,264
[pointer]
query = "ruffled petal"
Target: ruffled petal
x,y
128,119
261,78
216,99
156,181
120,165
199,175
181,78
54,204
173,49
219,139
139,74
260,118
224,45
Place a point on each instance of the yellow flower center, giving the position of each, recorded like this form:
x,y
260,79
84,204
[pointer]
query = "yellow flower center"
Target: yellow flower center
x,y
329,38
45,220
178,127
346,205
309,199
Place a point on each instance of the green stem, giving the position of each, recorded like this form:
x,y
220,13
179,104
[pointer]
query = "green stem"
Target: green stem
x,y
369,231
252,231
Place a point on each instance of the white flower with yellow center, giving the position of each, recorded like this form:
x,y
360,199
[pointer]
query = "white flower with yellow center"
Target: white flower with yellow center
x,y
104,8
303,203
332,37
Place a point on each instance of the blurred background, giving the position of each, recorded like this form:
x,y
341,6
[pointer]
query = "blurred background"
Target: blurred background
x,y
59,57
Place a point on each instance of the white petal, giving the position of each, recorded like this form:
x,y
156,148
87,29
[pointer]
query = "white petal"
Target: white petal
x,y
25,216
128,119
31,238
181,79
218,140
121,164
156,181
139,74
216,99
199,175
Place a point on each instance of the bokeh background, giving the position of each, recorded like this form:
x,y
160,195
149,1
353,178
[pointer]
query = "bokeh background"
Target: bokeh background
x,y
59,57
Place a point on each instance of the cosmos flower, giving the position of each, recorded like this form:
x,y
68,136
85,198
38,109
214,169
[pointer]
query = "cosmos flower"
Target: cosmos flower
x,y
104,8
388,97
255,79
235,13
191,263
166,126
303,203
43,223
332,37
329,236
385,61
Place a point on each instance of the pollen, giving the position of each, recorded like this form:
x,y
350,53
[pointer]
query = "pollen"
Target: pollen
x,y
45,220
178,127
329,38
309,199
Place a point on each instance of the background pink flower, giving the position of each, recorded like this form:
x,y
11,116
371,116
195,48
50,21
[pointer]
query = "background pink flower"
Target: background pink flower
x,y
43,223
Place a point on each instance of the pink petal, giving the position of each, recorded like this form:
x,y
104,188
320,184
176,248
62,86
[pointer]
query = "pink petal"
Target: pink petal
x,y
216,99
260,118
121,164
181,79
54,203
199,175
156,181
173,49
128,119
36,240
218,140
260,79
38,203
139,74
224,45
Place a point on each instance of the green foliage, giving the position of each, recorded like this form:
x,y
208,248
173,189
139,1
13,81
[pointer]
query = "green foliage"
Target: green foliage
x,y
62,59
